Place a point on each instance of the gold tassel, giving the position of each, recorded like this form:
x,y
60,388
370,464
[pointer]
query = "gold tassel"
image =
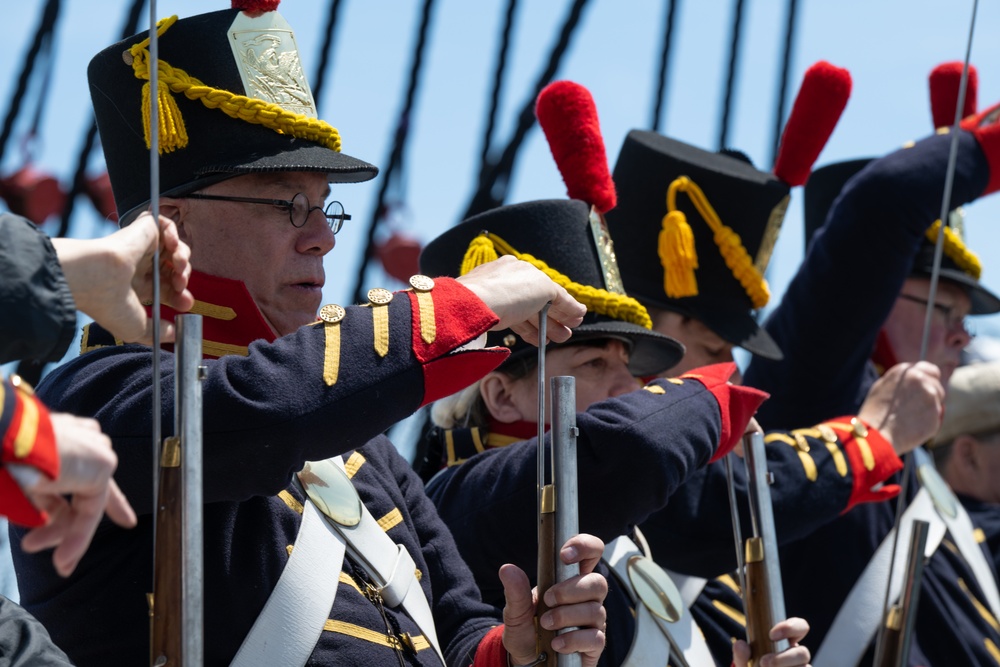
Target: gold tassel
x,y
172,132
678,256
481,251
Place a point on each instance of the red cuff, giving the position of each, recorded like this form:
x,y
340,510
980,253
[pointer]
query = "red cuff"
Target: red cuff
x,y
27,433
454,372
459,317
737,404
986,129
491,652
16,506
872,460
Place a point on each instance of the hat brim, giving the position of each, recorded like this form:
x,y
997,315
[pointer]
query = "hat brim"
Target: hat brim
x,y
339,168
984,302
650,352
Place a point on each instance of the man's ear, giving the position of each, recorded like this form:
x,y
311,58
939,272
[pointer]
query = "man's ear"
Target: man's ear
x,y
176,210
497,392
965,452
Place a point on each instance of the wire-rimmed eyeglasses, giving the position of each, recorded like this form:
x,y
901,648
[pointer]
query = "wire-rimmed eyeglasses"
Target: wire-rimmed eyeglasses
x,y
953,321
298,208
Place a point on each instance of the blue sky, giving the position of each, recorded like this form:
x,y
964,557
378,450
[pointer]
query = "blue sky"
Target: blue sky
x,y
889,46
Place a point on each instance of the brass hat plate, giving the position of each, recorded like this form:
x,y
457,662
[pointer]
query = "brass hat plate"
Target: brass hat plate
x,y
331,490
938,489
655,589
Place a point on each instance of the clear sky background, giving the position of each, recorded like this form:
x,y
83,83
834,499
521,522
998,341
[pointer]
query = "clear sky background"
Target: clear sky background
x,y
889,46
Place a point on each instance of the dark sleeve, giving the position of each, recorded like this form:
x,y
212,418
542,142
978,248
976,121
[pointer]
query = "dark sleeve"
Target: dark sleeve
x,y
37,311
819,473
461,618
633,452
24,641
829,317
265,414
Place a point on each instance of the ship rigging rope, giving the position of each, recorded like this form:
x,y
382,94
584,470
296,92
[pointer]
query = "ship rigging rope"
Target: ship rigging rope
x,y
494,179
786,65
324,54
661,79
41,42
734,61
395,161
491,115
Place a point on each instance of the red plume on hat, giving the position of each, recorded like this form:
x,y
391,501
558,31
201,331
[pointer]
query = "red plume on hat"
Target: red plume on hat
x,y
944,82
568,117
820,102
256,7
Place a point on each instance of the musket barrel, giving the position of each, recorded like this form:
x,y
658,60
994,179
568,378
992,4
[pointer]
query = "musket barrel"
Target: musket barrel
x,y
563,434
546,570
758,480
897,633
189,423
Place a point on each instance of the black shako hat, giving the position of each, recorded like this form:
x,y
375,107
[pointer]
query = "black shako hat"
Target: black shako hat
x,y
212,65
747,201
826,184
558,234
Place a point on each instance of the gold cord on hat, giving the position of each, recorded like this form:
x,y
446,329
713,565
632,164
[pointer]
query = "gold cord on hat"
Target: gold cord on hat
x,y
487,247
956,250
680,258
173,134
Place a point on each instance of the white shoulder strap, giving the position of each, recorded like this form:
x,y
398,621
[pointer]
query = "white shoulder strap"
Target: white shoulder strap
x,y
963,533
654,637
292,620
861,614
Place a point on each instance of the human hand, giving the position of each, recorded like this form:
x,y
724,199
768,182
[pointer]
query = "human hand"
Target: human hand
x,y
112,277
906,405
752,427
516,291
576,602
86,463
792,629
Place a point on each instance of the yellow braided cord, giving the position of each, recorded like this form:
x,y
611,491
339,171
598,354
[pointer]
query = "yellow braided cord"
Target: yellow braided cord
x,y
676,249
956,250
617,306
248,109
730,245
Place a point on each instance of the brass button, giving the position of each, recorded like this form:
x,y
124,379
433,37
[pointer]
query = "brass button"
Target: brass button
x,y
332,313
379,296
509,340
421,283
860,430
826,433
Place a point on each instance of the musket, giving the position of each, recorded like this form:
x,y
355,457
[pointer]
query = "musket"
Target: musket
x,y
176,612
897,633
949,179
757,557
557,496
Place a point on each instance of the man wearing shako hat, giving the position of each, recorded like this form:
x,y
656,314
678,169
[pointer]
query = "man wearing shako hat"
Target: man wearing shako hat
x,y
694,232
636,444
867,271
245,174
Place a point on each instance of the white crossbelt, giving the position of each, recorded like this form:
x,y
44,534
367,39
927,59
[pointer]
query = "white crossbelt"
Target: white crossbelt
x,y
287,629
864,604
651,643
861,614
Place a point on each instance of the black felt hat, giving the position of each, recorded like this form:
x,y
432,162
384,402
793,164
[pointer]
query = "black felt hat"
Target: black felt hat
x,y
557,233
821,192
219,59
750,202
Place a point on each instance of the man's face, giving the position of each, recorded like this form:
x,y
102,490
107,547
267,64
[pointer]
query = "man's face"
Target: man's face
x,y
703,346
947,337
600,372
281,265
